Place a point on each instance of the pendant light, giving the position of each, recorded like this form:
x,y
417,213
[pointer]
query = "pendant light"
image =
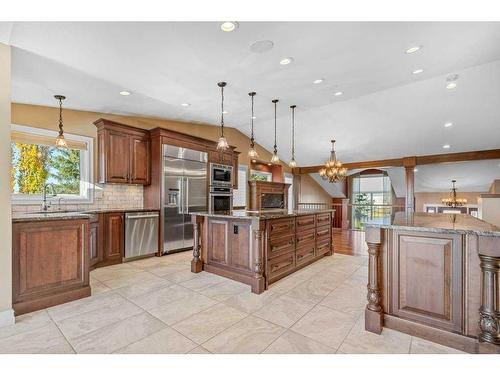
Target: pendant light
x,y
222,143
252,154
275,159
60,140
293,163
453,201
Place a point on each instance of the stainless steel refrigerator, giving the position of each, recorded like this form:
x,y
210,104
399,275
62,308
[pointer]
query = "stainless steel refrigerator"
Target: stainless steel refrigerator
x,y
185,191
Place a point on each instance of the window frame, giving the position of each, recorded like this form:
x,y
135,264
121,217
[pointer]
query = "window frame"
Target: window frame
x,y
86,169
242,167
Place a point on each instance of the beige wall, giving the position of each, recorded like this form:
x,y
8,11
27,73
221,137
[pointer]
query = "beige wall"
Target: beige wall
x,y
6,314
422,198
81,123
489,209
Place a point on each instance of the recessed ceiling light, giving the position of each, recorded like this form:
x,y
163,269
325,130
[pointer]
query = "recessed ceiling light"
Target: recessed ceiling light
x,y
125,93
286,60
413,49
318,81
451,85
269,164
185,104
254,117
261,46
448,124
418,71
446,146
338,93
415,169
229,26
225,112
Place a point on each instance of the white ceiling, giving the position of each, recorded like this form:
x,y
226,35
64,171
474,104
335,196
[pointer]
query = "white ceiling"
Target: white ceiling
x,y
385,112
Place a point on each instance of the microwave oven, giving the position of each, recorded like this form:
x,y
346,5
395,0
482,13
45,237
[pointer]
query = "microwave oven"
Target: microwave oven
x,y
221,174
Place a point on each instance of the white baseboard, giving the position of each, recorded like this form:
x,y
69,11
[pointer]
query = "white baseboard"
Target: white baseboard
x,y
7,318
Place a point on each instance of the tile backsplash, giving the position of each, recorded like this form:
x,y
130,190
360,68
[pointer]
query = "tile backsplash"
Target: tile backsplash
x,y
105,196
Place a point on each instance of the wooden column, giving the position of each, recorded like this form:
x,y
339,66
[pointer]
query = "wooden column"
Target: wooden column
x,y
373,311
409,163
196,263
258,282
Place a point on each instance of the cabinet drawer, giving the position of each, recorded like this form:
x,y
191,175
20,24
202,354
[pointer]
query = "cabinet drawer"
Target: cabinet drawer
x,y
322,234
305,222
280,245
305,254
323,248
322,219
280,227
280,265
305,236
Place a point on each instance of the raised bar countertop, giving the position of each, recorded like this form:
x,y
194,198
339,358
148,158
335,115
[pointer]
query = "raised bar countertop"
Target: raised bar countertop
x,y
440,223
263,215
69,215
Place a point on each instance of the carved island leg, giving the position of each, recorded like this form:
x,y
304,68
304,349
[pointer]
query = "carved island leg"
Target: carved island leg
x,y
196,263
258,282
373,311
489,312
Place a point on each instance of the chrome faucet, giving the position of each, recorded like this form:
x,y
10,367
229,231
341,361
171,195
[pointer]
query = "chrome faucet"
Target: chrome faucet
x,y
46,205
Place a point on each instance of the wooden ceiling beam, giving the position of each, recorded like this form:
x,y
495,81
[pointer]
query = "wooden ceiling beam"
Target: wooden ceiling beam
x,y
417,160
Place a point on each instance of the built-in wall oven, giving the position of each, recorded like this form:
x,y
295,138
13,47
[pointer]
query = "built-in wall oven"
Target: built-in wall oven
x,y
220,199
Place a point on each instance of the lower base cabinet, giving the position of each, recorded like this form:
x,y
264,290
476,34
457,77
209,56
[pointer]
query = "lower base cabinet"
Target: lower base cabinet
x,y
107,239
50,263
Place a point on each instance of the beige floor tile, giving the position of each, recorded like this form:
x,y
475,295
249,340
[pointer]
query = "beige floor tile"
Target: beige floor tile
x,y
113,272
162,297
26,322
312,290
250,302
360,341
140,288
165,269
287,283
361,275
250,335
199,350
181,276
97,319
325,325
205,281
293,343
47,339
98,287
346,267
225,290
421,346
180,309
166,341
118,335
136,278
67,310
147,263
208,323
347,298
284,310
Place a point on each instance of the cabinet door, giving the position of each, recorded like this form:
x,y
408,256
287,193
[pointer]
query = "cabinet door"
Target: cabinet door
x,y
139,160
214,157
117,157
114,232
94,248
218,243
427,279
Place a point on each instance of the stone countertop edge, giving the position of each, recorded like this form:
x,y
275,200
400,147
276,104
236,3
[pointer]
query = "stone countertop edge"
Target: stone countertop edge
x,y
73,215
260,215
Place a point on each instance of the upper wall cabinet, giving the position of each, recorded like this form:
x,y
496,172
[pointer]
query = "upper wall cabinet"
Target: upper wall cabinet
x,y
123,152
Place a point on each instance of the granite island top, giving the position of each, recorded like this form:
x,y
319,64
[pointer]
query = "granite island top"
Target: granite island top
x,y
69,215
263,215
441,223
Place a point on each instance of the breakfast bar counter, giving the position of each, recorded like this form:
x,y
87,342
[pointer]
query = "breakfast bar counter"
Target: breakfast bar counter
x,y
260,247
436,276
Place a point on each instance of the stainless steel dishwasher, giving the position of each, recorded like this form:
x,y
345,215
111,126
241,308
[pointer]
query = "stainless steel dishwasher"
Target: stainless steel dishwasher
x,y
141,234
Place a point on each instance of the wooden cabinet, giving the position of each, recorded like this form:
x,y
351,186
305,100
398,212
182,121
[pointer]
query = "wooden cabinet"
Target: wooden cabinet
x,y
268,195
50,263
123,153
114,238
95,241
427,279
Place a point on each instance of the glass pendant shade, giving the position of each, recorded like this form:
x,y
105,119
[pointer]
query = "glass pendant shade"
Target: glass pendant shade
x,y
222,144
252,154
60,140
292,163
275,159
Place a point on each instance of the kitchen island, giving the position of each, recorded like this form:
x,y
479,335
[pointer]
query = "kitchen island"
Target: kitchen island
x,y
436,276
260,247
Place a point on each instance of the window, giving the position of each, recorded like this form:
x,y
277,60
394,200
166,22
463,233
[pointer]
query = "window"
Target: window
x,y
289,180
261,176
36,162
240,194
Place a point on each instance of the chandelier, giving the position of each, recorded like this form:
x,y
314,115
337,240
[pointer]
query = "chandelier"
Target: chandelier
x,y
333,170
453,201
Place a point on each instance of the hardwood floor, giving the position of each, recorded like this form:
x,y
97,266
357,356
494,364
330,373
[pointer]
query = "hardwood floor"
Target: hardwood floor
x,y
349,242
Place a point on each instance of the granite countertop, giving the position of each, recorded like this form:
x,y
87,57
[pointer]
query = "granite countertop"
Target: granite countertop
x,y
441,223
69,215
263,215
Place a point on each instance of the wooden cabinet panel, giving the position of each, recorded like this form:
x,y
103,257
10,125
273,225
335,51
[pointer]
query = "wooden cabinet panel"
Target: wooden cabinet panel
x,y
306,222
118,157
278,227
218,244
323,248
239,250
305,237
280,245
323,234
279,266
94,247
50,263
323,219
139,160
305,253
114,238
435,265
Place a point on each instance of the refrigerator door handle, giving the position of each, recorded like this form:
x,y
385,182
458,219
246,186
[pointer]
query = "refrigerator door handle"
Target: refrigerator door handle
x,y
186,211
180,203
